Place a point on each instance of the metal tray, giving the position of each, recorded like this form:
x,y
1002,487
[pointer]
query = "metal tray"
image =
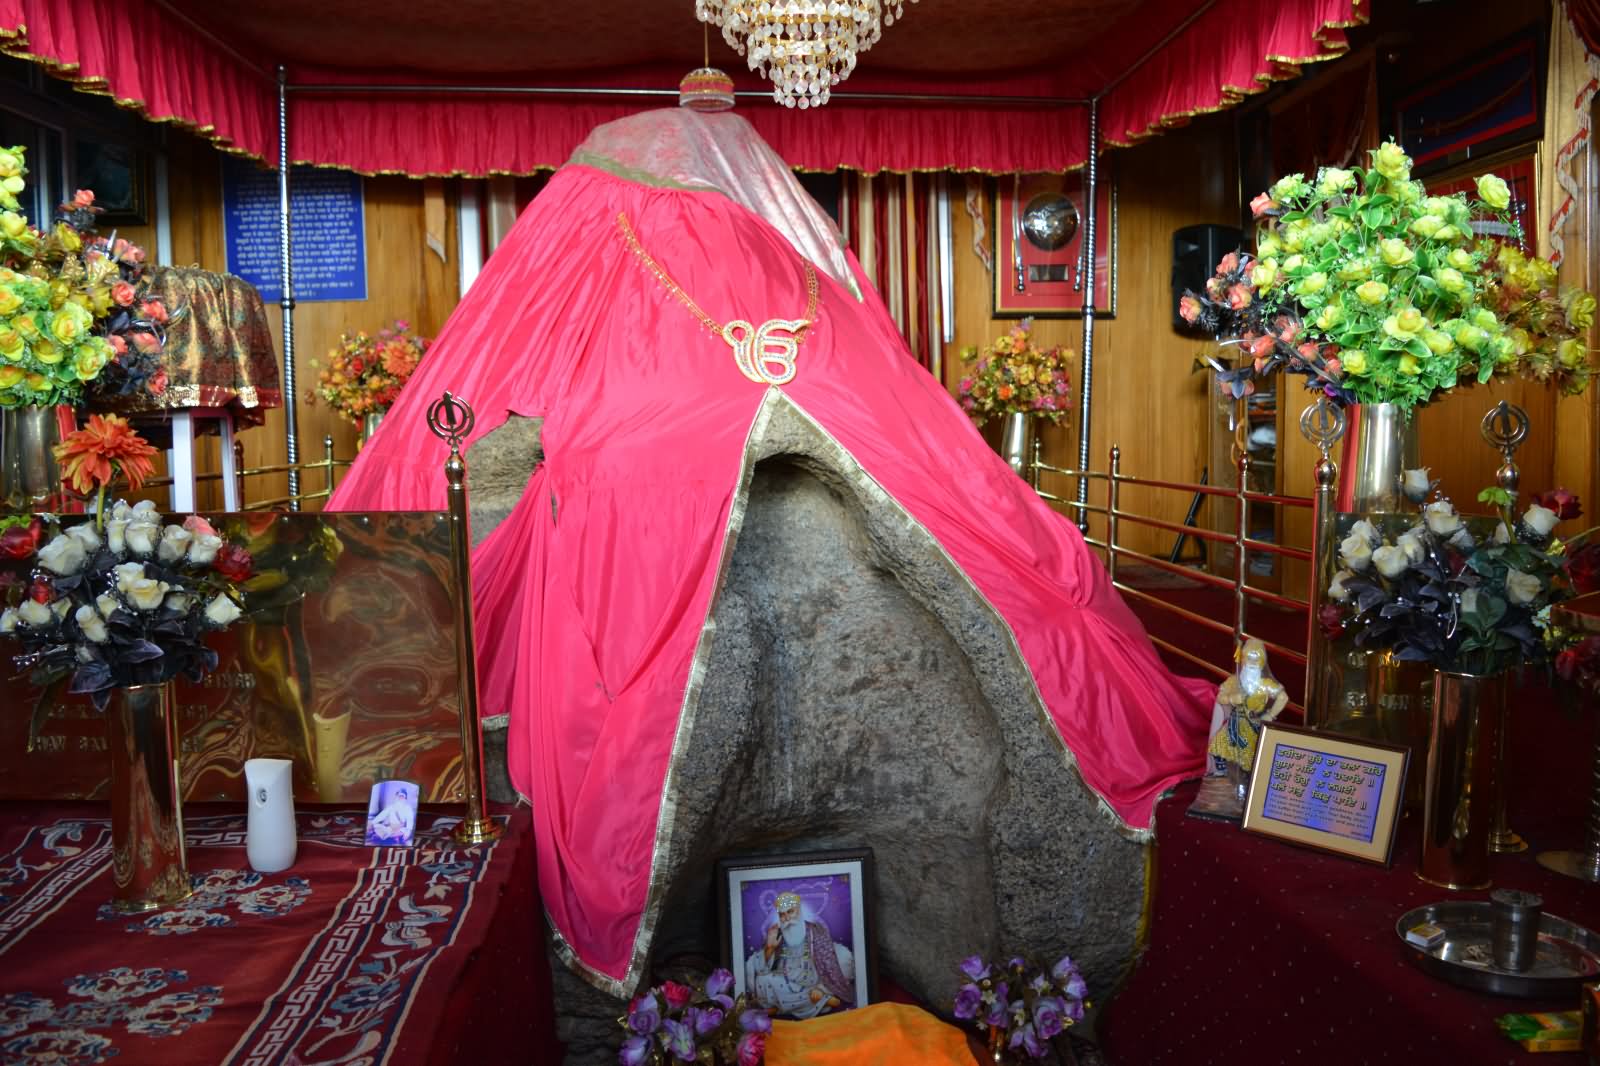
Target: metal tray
x,y
1568,954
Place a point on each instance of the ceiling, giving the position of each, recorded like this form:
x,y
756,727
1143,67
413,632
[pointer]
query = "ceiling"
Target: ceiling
x,y
508,38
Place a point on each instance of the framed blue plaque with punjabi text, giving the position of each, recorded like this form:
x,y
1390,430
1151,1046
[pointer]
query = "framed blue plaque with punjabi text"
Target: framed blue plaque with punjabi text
x,y
327,212
1327,792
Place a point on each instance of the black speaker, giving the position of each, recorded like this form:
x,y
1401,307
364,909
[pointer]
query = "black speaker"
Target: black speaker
x,y
1196,250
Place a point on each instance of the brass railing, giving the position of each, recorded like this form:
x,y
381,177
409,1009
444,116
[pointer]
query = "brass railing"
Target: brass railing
x,y
1238,627
328,465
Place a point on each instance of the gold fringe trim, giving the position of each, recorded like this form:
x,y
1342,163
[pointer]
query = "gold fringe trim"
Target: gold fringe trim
x,y
868,488
1233,96
666,816
14,43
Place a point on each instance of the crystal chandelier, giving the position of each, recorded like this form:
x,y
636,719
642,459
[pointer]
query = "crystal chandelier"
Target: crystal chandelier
x,y
804,47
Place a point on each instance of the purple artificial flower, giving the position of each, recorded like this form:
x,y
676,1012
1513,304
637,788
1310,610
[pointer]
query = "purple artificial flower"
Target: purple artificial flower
x,y
1049,1015
1028,1040
635,1051
725,1002
968,999
678,1038
705,1020
755,1021
644,1014
1075,1009
973,966
1040,983
1017,963
1064,970
720,983
997,1006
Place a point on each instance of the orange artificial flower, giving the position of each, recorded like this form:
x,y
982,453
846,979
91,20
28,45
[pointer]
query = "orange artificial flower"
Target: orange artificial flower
x,y
90,456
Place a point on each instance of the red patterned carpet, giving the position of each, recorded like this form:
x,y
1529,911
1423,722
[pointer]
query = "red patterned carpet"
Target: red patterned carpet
x,y
353,955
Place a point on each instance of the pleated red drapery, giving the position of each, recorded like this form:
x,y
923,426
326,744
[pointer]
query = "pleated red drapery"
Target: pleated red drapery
x,y
156,61
146,58
884,219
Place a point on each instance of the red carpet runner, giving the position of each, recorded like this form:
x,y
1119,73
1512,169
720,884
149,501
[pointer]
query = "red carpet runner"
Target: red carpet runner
x,y
353,954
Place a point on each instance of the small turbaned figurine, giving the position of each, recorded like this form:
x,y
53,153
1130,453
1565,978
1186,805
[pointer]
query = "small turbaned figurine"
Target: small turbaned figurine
x,y
1245,700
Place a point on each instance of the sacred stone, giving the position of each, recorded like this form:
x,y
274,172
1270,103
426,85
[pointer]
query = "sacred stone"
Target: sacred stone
x,y
859,693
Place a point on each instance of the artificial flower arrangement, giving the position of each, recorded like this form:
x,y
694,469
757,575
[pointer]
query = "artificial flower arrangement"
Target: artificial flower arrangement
x,y
1380,293
365,373
117,600
75,308
706,1025
1020,1007
1013,375
1545,323
1464,601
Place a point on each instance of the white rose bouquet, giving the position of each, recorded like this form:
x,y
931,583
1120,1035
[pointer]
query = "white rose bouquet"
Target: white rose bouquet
x,y
119,598
1468,595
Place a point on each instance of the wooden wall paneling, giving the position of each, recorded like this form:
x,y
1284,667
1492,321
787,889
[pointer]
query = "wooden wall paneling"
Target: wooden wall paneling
x,y
1145,398
406,279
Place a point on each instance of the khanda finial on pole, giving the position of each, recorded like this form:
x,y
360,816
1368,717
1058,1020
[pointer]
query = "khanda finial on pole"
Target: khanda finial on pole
x,y
451,420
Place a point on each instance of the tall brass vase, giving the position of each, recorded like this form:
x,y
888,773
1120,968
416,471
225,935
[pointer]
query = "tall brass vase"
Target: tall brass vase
x,y
148,867
1459,790
28,472
1372,695
1016,444
1380,444
369,426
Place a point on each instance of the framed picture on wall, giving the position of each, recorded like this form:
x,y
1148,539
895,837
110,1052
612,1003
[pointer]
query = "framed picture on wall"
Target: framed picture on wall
x,y
797,932
119,175
1490,103
1040,268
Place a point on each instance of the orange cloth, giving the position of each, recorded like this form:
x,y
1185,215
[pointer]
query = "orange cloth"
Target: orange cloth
x,y
884,1033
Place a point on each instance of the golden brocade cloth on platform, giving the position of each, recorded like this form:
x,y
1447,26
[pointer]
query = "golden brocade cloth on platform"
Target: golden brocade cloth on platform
x,y
219,350
884,1033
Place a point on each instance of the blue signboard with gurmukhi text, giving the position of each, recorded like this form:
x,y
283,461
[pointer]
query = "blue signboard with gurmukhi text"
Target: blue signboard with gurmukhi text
x,y
327,216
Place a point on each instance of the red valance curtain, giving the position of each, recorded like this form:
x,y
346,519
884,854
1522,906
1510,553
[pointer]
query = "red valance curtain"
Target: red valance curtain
x,y
481,135
1237,48
159,63
153,61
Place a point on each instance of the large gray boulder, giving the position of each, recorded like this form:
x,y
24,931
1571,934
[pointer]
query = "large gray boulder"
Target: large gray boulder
x,y
859,692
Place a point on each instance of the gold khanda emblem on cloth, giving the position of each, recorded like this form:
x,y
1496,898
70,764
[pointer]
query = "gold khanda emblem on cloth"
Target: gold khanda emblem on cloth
x,y
756,351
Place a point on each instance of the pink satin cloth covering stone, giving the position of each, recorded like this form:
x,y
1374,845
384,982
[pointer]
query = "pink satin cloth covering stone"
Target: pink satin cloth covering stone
x,y
591,597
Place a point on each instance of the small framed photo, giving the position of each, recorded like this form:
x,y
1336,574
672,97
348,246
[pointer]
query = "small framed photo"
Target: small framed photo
x,y
392,814
796,930
119,175
1327,792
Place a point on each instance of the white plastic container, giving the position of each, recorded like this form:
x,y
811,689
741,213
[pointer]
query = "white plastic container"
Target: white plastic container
x,y
270,833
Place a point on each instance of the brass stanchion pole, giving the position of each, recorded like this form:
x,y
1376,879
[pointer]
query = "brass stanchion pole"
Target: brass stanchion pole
x,y
451,420
1504,428
1322,424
